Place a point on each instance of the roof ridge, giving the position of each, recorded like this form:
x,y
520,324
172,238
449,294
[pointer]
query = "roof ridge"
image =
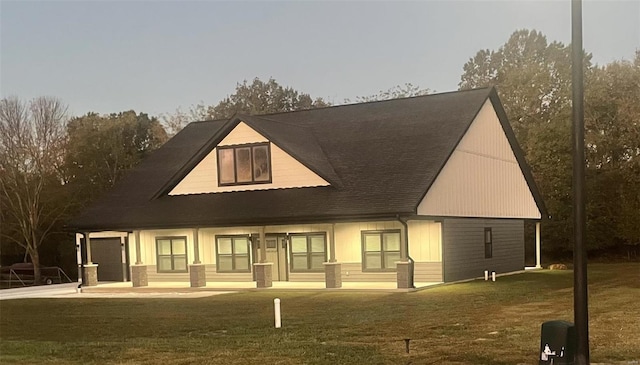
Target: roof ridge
x,y
378,101
236,114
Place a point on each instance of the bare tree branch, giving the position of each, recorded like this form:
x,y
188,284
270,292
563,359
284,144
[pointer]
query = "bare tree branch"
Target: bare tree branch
x,y
32,142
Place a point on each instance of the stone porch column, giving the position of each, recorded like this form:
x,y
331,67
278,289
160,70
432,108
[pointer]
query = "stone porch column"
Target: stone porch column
x,y
197,273
332,269
90,277
404,273
139,271
264,274
333,275
263,269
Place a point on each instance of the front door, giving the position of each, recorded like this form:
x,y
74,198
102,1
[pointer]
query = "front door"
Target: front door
x,y
277,254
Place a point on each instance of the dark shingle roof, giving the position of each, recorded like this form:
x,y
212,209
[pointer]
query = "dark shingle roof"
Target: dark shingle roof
x,y
380,158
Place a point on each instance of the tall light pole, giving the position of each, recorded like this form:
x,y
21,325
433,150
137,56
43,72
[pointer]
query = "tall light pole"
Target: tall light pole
x,y
580,295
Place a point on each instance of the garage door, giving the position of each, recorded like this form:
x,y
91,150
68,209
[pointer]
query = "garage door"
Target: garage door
x,y
107,254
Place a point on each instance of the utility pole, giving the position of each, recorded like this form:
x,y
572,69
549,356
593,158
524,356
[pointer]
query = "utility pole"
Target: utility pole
x,y
580,294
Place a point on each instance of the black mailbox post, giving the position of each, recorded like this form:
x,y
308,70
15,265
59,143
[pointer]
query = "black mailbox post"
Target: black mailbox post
x,y
557,343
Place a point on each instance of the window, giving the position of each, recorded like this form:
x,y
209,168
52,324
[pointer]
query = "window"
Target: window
x,y
232,254
308,251
380,250
488,243
171,254
246,164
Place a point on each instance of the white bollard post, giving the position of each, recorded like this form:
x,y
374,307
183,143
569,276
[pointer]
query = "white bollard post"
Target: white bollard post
x,y
493,276
276,305
486,275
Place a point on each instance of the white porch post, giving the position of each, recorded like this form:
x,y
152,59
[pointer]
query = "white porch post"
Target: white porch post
x,y
538,264
79,256
138,255
263,246
123,257
196,247
87,243
332,243
404,245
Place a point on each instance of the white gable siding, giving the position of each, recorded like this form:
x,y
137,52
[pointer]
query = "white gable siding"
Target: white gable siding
x,y
242,134
286,171
425,241
482,177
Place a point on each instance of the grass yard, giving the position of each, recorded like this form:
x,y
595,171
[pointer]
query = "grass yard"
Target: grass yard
x,y
471,323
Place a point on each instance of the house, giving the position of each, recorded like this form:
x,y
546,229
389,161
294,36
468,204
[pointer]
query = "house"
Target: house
x,y
417,190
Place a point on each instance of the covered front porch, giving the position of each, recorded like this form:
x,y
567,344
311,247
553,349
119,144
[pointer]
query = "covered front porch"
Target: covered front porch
x,y
234,257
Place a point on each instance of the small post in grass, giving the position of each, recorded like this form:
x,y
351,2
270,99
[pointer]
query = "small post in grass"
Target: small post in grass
x,y
276,305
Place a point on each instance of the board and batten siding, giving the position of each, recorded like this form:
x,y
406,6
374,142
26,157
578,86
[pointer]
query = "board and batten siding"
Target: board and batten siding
x,y
148,251
286,171
425,249
352,272
424,272
464,255
153,276
482,178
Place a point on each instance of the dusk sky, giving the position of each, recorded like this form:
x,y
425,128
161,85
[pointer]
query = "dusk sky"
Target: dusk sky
x,y
155,56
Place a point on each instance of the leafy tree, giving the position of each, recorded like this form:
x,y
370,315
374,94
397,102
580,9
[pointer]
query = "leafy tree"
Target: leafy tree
x,y
399,91
32,139
261,97
174,123
532,76
102,148
612,120
257,97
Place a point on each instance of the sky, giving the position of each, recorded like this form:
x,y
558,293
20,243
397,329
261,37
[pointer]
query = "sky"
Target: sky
x,y
156,56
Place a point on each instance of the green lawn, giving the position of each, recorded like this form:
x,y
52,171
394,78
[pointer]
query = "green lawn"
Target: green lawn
x,y
471,323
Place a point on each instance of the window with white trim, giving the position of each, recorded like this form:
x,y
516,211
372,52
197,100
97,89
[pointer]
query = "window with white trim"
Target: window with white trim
x,y
232,254
171,254
308,251
380,250
488,243
244,164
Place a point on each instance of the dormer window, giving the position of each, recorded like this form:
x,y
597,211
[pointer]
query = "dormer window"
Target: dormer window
x,y
244,164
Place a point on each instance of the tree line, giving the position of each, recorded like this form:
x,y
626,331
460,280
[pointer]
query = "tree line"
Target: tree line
x,y
52,165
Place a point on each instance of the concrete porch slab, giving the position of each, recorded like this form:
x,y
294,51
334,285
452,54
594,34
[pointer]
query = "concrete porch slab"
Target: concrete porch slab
x,y
243,286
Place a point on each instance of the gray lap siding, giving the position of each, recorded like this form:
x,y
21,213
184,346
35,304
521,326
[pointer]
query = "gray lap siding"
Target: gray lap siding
x,y
464,250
